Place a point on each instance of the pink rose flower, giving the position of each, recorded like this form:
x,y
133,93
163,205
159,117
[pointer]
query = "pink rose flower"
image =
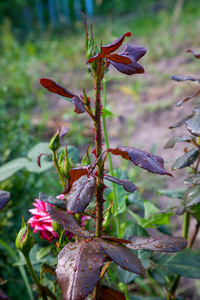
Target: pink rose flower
x,y
41,221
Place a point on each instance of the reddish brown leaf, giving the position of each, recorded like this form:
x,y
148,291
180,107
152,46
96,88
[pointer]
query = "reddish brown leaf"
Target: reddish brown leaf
x,y
158,243
108,293
119,58
79,105
134,53
112,238
76,173
197,55
67,221
109,48
80,194
78,269
54,87
122,256
142,159
127,185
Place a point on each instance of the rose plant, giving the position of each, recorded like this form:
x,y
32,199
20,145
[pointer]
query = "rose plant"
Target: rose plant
x,y
84,260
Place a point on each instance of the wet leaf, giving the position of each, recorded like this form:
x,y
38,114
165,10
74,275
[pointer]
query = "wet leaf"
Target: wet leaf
x,y
108,293
134,53
122,256
54,87
78,269
158,243
52,200
193,123
187,159
118,240
183,138
192,196
4,198
185,263
142,159
76,173
127,185
180,123
125,276
79,105
67,221
134,229
197,55
80,194
183,78
163,276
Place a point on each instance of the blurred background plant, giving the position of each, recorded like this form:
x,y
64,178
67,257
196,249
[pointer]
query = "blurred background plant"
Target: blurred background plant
x,y
39,38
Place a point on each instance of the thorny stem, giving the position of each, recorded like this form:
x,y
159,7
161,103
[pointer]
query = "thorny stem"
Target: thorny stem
x,y
99,166
115,202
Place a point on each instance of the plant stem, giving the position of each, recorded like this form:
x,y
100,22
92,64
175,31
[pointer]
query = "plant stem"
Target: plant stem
x,y
194,235
115,201
58,168
186,225
35,278
98,152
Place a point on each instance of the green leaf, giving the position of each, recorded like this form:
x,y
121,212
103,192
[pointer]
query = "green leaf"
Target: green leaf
x,y
163,276
192,196
187,159
183,138
175,193
13,166
185,263
45,162
106,113
149,209
43,252
125,276
134,229
192,179
131,297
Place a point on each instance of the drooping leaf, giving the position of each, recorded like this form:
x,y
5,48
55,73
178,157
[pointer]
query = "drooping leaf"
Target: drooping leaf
x,y
116,58
62,132
67,221
193,123
80,194
183,138
12,167
108,293
54,87
187,98
122,256
185,263
4,198
52,200
127,185
183,78
142,159
197,55
78,269
192,196
180,123
134,53
187,159
158,243
79,105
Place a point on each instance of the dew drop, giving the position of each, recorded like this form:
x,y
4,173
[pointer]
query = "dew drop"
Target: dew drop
x,y
72,247
158,245
95,259
72,259
97,251
90,252
83,270
172,247
126,260
145,160
90,267
87,286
